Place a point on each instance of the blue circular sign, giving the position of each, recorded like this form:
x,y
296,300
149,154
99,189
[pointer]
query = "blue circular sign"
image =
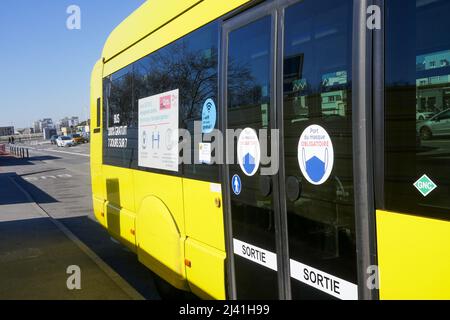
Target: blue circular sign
x,y
236,184
209,116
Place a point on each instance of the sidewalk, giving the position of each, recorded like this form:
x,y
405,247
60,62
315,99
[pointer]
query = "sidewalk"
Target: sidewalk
x,y
35,252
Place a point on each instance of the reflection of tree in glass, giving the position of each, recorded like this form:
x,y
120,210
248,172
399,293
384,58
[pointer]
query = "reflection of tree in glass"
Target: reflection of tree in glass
x,y
194,73
242,87
120,100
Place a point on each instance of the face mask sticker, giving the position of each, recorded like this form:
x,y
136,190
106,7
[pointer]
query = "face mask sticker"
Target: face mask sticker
x,y
315,155
316,168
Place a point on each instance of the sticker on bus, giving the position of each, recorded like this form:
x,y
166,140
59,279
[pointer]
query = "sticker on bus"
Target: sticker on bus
x,y
425,185
158,131
249,151
236,184
325,282
255,254
320,280
315,155
209,116
204,153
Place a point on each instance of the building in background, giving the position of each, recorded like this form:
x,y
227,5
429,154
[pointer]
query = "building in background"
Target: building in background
x,y
47,123
6,131
69,122
40,125
36,126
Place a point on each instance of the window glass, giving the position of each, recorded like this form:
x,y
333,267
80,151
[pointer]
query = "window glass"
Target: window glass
x,y
190,65
118,118
418,107
249,95
317,92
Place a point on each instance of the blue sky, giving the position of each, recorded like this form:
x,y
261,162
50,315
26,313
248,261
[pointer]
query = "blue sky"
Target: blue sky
x,y
45,68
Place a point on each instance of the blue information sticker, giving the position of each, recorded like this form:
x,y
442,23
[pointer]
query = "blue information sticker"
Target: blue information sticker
x,y
236,184
209,116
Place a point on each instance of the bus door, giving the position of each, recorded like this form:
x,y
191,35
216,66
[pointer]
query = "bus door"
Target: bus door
x,y
290,201
253,202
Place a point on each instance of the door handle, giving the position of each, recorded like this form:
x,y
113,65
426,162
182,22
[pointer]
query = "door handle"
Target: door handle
x,y
293,188
265,186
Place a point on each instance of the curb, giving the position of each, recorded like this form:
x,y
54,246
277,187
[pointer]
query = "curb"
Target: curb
x,y
113,275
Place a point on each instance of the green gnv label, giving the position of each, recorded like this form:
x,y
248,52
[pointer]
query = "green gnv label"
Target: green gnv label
x,y
425,185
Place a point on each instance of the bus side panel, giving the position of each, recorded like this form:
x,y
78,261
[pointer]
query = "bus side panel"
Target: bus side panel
x,y
160,232
206,273
204,213
413,257
205,246
121,225
96,143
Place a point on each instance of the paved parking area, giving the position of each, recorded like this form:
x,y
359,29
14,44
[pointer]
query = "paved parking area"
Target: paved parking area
x,y
40,198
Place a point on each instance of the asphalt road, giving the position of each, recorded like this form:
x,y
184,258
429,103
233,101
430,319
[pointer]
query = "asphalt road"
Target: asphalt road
x,y
58,180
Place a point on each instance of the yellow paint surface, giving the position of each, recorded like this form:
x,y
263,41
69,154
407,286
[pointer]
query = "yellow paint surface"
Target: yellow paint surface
x,y
413,257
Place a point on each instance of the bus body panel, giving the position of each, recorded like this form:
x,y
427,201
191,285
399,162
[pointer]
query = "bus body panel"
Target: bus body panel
x,y
205,245
99,206
159,240
206,271
119,186
203,13
203,213
413,257
146,19
98,188
121,225
160,231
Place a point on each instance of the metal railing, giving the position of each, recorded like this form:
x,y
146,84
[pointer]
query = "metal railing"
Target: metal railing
x,y
19,151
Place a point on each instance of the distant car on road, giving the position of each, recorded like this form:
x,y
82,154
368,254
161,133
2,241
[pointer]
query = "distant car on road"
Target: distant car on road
x,y
438,125
53,139
78,138
65,141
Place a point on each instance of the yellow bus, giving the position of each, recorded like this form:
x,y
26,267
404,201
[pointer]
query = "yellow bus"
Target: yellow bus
x,y
289,149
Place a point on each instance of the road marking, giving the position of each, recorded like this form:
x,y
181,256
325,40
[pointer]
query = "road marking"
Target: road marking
x,y
113,275
60,176
57,151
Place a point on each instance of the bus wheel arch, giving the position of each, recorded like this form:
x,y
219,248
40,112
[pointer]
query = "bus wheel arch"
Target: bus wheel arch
x,y
160,245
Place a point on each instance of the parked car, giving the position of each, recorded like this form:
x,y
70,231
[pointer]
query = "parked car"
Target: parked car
x,y
53,139
78,138
86,136
438,125
422,116
64,141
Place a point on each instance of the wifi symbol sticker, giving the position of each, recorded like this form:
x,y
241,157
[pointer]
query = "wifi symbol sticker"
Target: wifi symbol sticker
x,y
209,116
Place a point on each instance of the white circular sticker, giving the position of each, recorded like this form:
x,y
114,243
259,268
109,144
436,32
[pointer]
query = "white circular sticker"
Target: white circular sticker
x,y
315,154
249,152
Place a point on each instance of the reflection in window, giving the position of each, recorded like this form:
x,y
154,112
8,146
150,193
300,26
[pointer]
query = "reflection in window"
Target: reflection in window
x,y
317,90
190,65
417,105
248,81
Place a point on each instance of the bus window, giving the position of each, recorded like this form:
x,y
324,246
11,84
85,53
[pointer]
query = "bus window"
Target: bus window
x,y
118,118
190,65
417,107
317,91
